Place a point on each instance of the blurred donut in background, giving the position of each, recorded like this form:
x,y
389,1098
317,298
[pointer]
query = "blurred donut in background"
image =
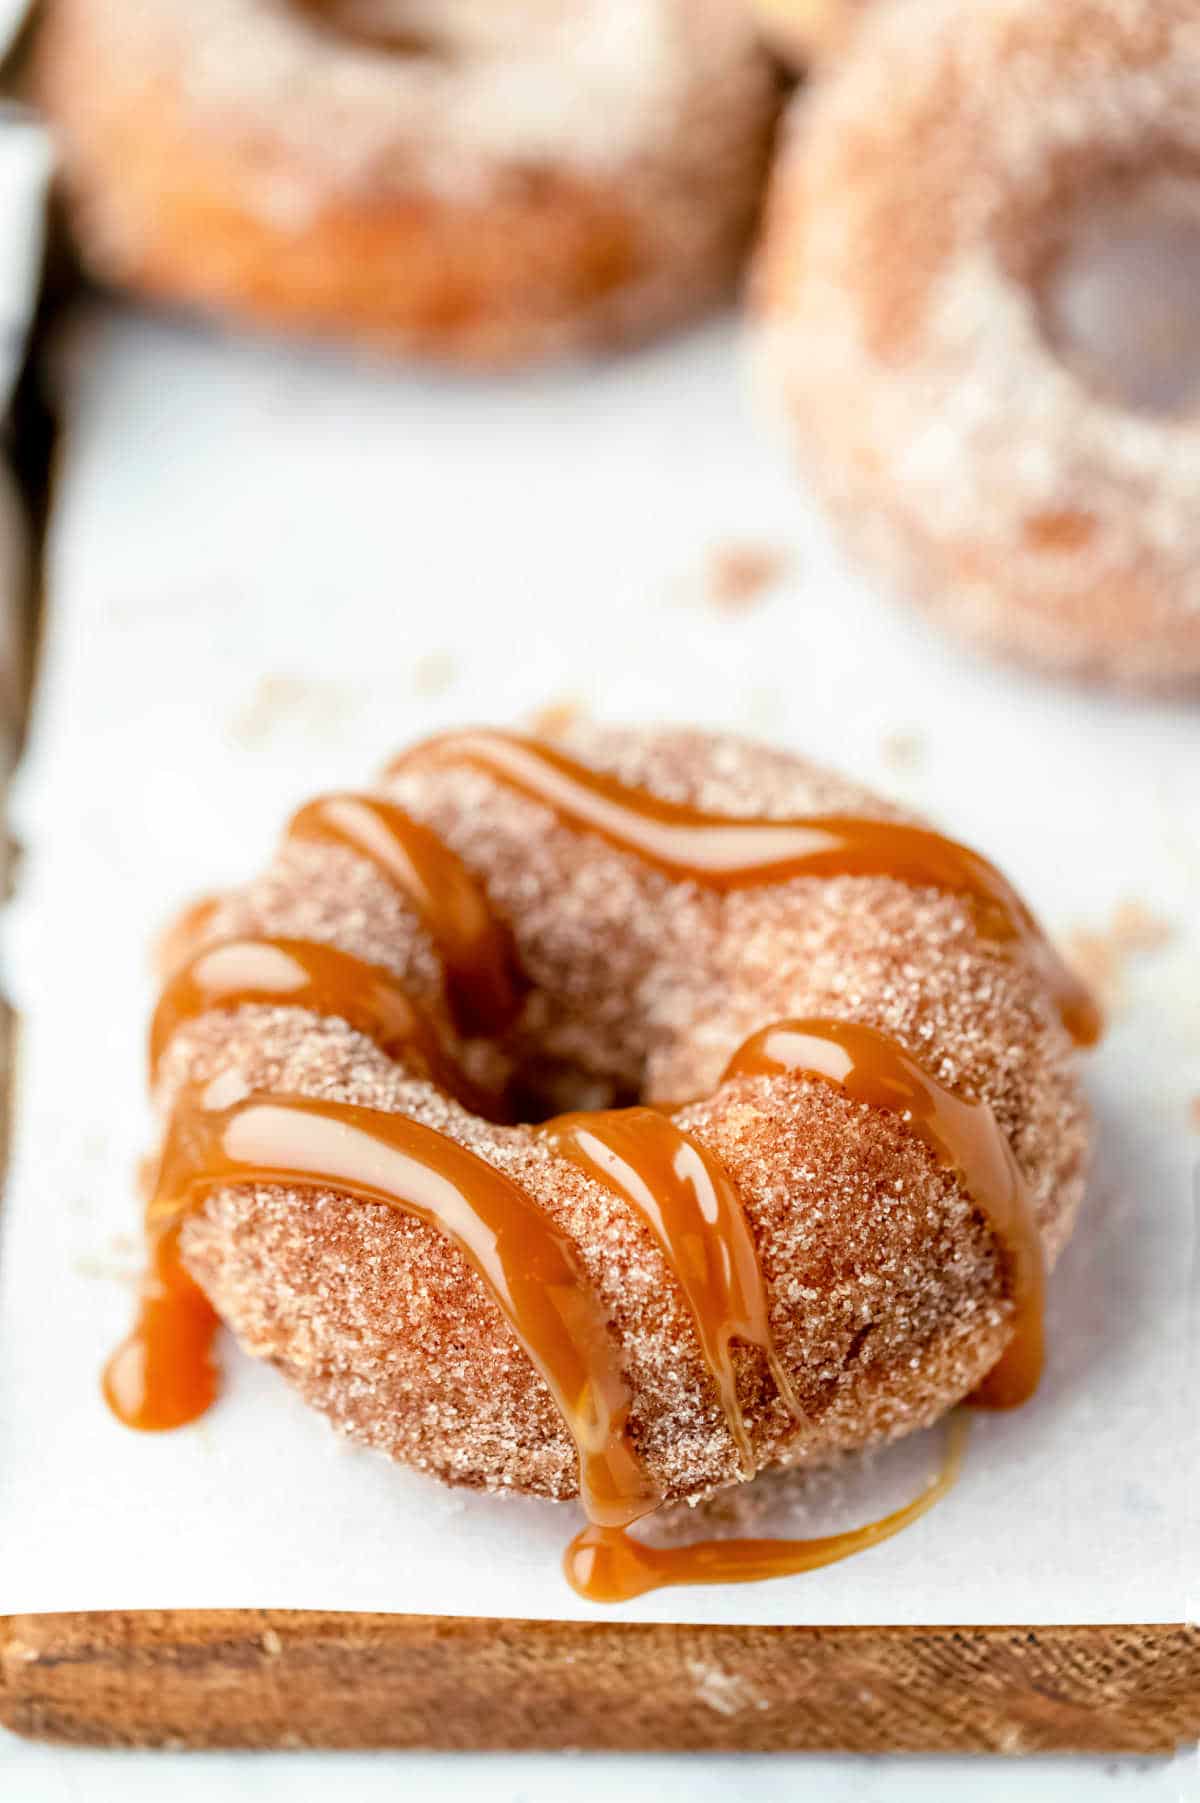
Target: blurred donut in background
x,y
979,286
485,181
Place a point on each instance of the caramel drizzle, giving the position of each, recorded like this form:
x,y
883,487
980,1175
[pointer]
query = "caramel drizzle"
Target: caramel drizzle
x,y
534,1276
531,1269
725,853
695,1215
321,979
607,1565
964,1137
163,1374
482,988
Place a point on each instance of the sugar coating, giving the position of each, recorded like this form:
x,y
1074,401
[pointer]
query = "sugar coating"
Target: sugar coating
x,y
926,194
885,1284
507,181
591,84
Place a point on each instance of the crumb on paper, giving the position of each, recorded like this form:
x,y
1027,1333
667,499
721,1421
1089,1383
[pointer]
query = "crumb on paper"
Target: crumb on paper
x,y
280,702
557,717
740,574
1194,1114
119,1262
902,749
726,1693
1102,955
109,1272
434,673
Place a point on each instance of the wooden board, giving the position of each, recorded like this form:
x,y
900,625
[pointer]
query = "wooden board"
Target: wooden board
x,y
282,1678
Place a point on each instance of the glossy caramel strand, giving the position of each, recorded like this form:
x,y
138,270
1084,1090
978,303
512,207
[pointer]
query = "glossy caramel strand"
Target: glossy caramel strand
x,y
163,1374
695,1215
483,983
965,1137
724,853
608,1565
530,1268
303,973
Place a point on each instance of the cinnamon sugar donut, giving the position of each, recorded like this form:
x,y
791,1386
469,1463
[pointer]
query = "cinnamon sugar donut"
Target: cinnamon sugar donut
x,y
888,1292
925,203
468,179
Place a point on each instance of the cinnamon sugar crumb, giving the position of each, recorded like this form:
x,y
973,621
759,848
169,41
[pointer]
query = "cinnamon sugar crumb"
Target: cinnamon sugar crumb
x,y
1102,955
1194,1114
283,701
739,575
557,717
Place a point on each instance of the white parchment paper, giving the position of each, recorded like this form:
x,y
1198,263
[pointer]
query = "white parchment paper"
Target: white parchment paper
x,y
269,569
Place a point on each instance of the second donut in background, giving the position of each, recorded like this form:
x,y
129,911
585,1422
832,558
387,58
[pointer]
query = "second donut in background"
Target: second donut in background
x,y
935,189
475,180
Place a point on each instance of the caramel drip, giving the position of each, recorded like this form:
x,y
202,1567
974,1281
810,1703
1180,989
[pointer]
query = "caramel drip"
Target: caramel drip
x,y
725,853
529,1267
964,1136
695,1214
482,985
301,973
163,1374
607,1565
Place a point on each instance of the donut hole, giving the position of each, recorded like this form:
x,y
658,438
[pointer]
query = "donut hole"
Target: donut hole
x,y
388,26
542,1088
1119,296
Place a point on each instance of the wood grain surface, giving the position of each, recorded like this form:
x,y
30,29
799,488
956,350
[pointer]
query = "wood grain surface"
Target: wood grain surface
x,y
282,1678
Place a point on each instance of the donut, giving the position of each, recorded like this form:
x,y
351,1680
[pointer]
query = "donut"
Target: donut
x,y
926,205
613,1118
465,180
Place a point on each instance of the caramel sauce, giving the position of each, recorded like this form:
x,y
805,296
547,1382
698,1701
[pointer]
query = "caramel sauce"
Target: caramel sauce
x,y
302,973
695,1214
964,1136
530,1268
726,853
608,1565
482,987
164,1375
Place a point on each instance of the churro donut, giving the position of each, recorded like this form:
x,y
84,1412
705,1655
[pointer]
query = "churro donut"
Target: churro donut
x,y
888,1293
927,202
478,180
